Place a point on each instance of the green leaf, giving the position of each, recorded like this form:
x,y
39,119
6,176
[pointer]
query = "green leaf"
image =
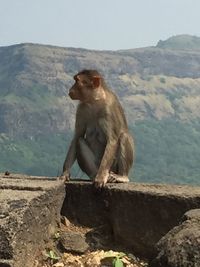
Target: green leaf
x,y
117,262
52,255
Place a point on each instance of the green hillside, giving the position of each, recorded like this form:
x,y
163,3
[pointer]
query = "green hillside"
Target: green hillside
x,y
159,92
167,151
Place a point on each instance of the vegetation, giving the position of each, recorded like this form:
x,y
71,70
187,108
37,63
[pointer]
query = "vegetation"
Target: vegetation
x,y
51,256
43,155
156,88
116,258
167,151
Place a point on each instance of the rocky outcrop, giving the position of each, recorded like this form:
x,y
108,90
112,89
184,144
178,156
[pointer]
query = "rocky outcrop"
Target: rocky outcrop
x,y
138,214
73,242
180,247
29,213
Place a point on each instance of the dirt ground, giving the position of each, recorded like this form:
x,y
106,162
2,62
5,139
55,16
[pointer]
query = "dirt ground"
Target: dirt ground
x,y
100,252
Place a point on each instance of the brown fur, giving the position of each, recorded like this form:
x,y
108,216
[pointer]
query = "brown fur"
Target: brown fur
x,y
102,144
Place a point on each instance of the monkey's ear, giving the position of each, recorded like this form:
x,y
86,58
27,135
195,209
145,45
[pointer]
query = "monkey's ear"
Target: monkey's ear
x,y
76,77
96,81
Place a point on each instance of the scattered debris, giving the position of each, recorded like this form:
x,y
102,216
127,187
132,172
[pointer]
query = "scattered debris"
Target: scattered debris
x,y
99,258
73,242
77,246
7,173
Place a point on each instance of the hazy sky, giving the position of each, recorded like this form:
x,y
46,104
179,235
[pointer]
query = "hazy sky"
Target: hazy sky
x,y
97,24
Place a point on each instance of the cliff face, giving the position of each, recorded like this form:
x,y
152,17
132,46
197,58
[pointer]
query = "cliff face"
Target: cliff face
x,y
151,83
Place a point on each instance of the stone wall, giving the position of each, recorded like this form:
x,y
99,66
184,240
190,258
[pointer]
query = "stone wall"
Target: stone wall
x,y
139,215
29,213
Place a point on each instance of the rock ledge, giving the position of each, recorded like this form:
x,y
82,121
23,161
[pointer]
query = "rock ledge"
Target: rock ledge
x,y
29,210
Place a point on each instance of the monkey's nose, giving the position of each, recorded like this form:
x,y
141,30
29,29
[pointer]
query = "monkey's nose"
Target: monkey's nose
x,y
71,94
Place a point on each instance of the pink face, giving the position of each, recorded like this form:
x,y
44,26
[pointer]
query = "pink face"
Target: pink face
x,y
83,88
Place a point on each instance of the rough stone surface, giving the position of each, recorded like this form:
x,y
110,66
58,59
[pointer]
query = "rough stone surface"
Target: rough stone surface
x,y
29,210
85,205
181,246
138,214
73,242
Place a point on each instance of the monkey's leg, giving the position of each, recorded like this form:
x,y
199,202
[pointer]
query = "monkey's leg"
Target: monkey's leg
x,y
86,158
123,161
116,178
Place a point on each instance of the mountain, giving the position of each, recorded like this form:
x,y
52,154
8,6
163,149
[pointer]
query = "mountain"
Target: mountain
x,y
181,42
159,88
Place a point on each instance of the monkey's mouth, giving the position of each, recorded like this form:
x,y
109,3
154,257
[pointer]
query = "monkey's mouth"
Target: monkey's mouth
x,y
72,96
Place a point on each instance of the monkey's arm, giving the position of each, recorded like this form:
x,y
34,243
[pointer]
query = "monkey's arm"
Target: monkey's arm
x,y
70,158
109,153
71,154
106,163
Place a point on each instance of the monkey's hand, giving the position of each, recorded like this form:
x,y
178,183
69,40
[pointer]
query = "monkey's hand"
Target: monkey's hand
x,y
65,177
101,179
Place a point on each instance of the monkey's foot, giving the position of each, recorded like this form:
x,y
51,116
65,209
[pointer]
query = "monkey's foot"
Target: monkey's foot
x,y
64,178
101,180
116,178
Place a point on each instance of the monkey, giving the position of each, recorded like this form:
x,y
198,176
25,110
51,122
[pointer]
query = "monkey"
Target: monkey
x,y
102,144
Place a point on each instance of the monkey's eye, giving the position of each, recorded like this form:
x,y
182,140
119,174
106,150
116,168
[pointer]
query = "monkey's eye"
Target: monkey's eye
x,y
77,81
84,82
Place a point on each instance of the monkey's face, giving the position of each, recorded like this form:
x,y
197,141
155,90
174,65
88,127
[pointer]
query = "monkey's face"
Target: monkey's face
x,y
83,88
